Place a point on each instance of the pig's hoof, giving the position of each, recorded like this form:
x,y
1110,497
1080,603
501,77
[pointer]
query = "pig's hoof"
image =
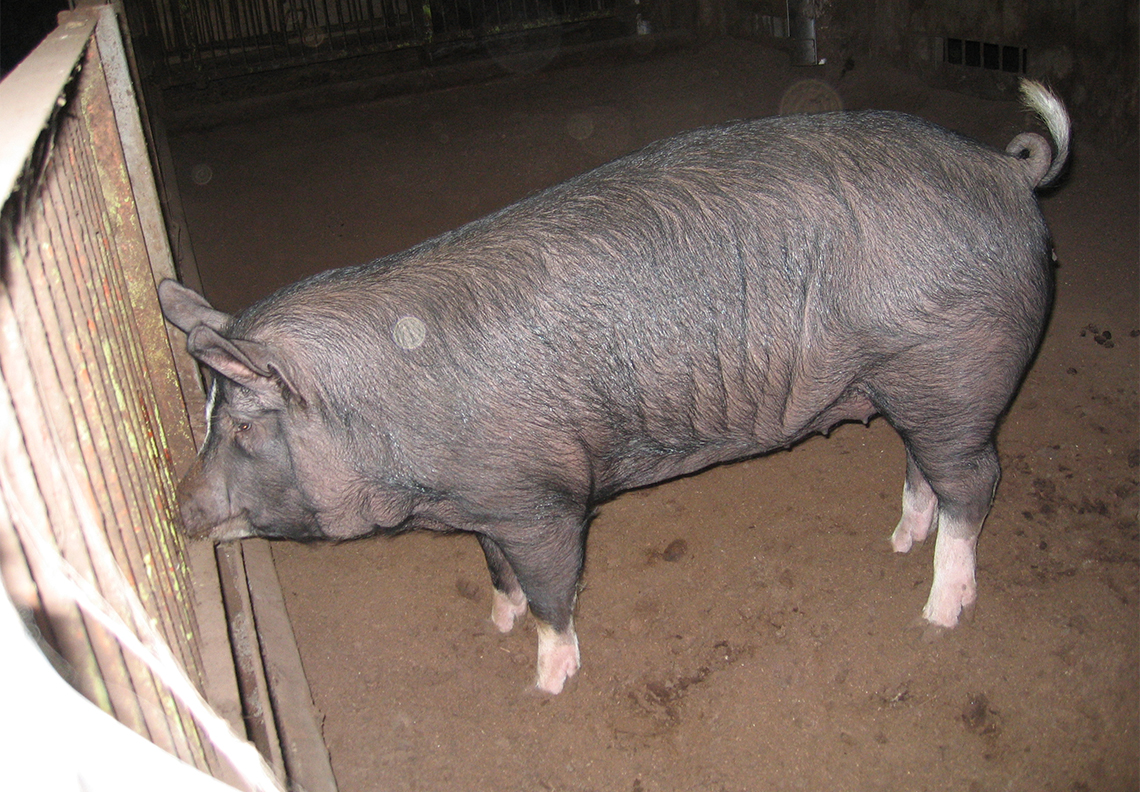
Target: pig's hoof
x,y
914,526
901,539
950,601
919,513
944,614
954,588
506,608
558,659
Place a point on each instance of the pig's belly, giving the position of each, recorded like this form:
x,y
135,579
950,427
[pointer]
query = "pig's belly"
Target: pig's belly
x,y
656,464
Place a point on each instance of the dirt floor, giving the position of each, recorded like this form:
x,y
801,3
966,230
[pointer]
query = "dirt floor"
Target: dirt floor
x,y
747,628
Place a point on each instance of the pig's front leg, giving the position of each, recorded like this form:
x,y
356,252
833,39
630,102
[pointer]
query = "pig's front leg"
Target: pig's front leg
x,y
508,603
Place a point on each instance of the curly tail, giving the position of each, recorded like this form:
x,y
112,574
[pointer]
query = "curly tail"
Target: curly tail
x,y
1042,165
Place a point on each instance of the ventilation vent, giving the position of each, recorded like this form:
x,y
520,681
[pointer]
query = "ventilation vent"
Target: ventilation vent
x,y
985,55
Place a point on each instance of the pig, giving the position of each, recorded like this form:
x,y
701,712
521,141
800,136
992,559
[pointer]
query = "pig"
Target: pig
x,y
710,297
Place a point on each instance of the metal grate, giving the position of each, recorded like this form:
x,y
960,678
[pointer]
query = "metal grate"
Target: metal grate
x,y
92,419
188,40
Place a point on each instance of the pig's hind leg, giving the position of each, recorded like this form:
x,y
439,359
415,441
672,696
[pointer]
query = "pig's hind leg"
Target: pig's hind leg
x,y
508,603
947,413
547,565
960,475
919,509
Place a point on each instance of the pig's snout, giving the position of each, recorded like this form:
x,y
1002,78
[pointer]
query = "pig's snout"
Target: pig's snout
x,y
202,504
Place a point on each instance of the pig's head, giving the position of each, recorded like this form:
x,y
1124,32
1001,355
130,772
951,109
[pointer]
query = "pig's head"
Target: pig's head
x,y
268,466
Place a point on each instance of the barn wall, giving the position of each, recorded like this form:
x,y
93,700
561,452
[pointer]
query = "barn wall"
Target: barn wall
x,y
1086,51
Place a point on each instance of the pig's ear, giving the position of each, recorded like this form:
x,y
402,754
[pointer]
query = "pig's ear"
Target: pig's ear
x,y
248,363
186,309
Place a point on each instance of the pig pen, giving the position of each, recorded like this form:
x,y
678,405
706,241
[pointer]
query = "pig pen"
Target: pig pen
x,y
748,627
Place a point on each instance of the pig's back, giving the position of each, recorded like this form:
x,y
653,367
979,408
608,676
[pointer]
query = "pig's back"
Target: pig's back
x,y
732,285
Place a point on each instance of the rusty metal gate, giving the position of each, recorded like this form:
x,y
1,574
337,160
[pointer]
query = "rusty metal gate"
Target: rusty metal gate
x,y
193,40
93,411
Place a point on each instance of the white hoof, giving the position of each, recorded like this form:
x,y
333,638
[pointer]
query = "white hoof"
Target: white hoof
x,y
954,588
558,658
919,511
506,609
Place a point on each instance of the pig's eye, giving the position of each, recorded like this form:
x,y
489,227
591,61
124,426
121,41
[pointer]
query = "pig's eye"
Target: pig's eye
x,y
242,427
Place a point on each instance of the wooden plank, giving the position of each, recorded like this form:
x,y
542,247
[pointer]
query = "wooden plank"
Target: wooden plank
x,y
302,744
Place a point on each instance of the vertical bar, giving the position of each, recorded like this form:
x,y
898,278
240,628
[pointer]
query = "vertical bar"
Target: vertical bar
x,y
178,435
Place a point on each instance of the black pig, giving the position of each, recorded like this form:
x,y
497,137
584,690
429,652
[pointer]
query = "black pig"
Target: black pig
x,y
713,296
